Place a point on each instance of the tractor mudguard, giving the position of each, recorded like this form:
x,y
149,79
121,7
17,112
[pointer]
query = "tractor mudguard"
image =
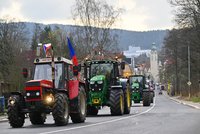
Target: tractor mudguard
x,y
21,100
116,87
73,89
16,93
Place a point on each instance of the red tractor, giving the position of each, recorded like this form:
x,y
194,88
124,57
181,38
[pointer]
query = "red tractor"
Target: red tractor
x,y
62,96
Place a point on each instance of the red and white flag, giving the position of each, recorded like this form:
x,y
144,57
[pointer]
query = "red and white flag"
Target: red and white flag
x,y
47,48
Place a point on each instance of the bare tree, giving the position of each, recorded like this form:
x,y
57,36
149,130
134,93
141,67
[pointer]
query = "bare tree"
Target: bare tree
x,y
13,41
35,38
96,17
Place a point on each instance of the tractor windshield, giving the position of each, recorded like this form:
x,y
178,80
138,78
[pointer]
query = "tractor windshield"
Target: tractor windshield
x,y
138,79
101,69
44,72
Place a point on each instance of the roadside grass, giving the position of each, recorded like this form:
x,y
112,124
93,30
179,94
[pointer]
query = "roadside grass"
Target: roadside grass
x,y
195,99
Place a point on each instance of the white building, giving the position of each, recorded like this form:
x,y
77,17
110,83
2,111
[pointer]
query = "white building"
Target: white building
x,y
154,63
133,52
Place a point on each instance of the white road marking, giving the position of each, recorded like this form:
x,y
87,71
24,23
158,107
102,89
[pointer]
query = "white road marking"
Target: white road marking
x,y
101,123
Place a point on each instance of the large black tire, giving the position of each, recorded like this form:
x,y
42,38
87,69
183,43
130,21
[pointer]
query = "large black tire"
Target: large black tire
x,y
15,116
92,110
37,118
152,97
80,116
146,98
127,101
116,102
60,109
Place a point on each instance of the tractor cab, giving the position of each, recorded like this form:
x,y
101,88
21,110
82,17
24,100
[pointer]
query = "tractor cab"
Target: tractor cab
x,y
137,82
106,70
63,71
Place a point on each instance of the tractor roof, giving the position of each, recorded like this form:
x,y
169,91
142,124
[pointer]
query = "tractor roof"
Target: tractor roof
x,y
101,61
49,60
137,75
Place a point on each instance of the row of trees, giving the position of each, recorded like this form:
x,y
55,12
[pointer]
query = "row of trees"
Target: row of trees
x,y
181,45
96,18
13,41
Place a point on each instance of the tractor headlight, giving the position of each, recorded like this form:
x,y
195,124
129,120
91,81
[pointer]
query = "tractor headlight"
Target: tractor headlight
x,y
28,94
37,93
11,101
100,82
49,99
91,82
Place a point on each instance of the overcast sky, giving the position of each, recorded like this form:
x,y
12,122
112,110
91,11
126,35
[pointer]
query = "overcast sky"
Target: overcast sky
x,y
139,15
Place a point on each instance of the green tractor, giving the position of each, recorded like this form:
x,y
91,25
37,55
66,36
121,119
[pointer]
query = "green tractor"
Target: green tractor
x,y
140,91
104,88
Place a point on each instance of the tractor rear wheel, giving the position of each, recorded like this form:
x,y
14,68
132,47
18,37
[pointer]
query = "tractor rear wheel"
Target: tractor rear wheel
x,y
127,101
92,110
60,110
117,102
15,117
146,98
79,117
37,118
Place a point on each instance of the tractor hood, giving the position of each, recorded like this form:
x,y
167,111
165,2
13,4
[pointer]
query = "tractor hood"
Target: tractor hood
x,y
41,83
135,85
98,78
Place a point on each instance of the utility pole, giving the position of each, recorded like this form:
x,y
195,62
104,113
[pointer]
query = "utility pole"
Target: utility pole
x,y
189,82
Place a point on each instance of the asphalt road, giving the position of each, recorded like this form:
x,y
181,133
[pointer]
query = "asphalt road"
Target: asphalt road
x,y
163,117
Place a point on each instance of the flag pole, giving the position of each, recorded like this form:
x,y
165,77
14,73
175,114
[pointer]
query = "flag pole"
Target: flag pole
x,y
53,68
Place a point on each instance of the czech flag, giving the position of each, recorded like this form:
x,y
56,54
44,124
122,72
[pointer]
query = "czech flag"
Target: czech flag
x,y
47,48
72,53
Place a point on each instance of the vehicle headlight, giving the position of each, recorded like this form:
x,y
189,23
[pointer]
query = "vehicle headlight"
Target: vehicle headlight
x,y
99,82
91,82
11,101
49,98
28,94
37,93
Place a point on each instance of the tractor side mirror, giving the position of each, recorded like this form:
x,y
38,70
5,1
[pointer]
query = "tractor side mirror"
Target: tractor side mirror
x,y
75,70
25,72
122,65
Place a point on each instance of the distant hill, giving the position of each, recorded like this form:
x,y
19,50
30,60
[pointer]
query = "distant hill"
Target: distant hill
x,y
142,39
126,38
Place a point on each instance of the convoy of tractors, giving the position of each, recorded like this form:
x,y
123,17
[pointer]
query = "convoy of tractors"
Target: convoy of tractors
x,y
57,88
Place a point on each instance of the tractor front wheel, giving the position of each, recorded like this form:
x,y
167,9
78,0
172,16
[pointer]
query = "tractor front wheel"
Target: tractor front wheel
x,y
146,98
127,101
60,110
37,118
117,102
15,116
152,95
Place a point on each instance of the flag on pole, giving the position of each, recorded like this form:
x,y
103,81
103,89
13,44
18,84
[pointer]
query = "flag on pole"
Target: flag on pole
x,y
72,53
47,48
